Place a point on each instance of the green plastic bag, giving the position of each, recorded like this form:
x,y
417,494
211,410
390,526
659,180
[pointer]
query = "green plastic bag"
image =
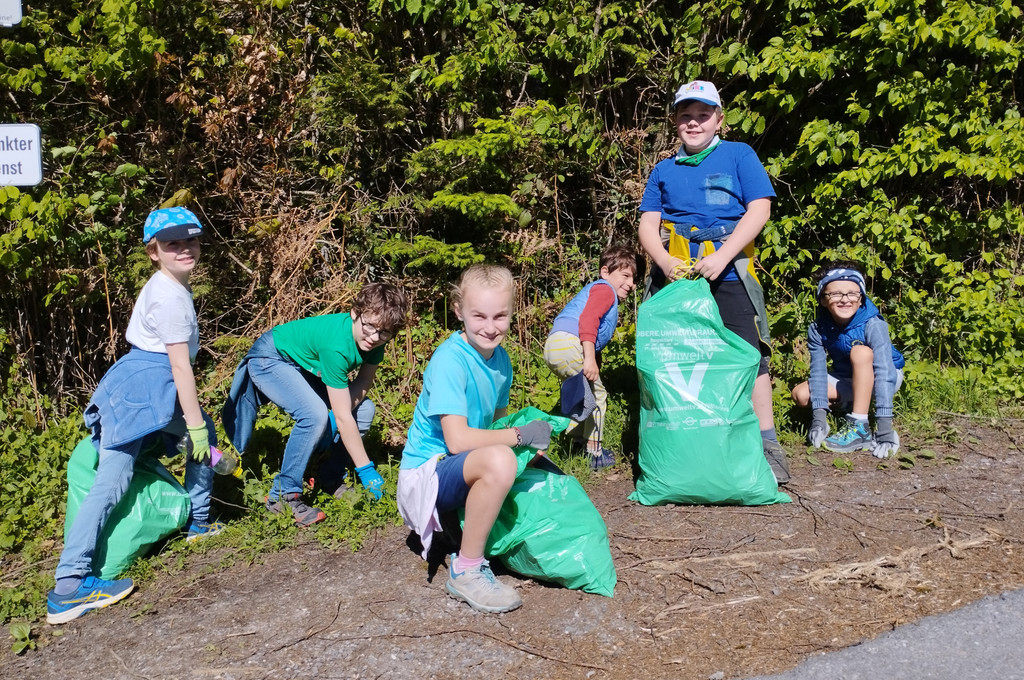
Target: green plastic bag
x,y
547,527
153,506
700,441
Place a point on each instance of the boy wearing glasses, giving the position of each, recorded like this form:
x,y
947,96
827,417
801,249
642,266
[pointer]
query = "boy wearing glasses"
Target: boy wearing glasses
x,y
303,367
850,330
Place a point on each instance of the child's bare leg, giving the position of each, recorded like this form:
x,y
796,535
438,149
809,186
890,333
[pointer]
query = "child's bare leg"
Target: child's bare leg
x,y
862,358
802,394
490,473
762,399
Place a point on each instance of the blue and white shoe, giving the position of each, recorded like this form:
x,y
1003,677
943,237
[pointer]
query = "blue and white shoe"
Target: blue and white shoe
x,y
204,529
93,593
854,436
480,590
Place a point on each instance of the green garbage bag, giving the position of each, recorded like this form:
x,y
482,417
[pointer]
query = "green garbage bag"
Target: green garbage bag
x,y
700,441
547,527
153,506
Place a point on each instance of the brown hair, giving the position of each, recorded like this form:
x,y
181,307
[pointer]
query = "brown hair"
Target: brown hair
x,y
388,304
619,256
480,276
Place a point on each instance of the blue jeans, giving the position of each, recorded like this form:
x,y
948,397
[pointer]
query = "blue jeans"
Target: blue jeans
x,y
113,475
302,396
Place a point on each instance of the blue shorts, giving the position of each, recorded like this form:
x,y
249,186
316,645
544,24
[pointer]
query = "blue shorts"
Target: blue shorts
x,y
452,489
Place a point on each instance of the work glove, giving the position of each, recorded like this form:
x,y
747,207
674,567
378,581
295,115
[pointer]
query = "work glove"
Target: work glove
x,y
371,480
887,442
536,434
200,439
819,427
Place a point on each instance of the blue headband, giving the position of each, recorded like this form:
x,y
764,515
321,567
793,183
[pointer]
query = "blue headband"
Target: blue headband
x,y
842,275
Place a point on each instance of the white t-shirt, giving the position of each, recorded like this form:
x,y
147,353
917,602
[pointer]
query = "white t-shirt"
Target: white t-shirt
x,y
163,315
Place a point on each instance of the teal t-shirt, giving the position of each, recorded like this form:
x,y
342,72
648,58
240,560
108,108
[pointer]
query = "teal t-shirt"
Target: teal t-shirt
x,y
324,346
458,381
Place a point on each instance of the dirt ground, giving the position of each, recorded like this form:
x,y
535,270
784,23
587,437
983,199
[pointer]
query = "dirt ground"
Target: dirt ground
x,y
723,592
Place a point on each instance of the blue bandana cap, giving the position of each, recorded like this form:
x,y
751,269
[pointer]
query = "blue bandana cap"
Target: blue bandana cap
x,y
171,224
842,275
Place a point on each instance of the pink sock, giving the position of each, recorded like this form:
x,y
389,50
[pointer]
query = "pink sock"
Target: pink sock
x,y
465,564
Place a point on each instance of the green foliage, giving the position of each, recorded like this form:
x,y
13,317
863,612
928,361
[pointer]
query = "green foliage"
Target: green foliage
x,y
329,144
22,634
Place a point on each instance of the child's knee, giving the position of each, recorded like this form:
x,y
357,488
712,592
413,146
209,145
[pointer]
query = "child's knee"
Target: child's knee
x,y
861,355
802,394
501,465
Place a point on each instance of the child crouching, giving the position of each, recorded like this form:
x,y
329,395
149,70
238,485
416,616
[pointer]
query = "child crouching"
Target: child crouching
x,y
849,330
451,460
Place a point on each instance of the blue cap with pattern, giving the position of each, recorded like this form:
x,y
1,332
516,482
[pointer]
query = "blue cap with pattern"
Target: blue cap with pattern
x,y
171,224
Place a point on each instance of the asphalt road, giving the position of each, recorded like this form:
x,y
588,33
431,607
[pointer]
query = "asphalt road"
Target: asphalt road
x,y
985,639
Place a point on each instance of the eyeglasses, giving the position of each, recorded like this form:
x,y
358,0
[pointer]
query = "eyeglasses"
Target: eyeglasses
x,y
841,297
370,330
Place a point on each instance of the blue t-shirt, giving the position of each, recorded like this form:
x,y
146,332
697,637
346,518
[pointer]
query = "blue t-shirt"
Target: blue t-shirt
x,y
458,381
711,194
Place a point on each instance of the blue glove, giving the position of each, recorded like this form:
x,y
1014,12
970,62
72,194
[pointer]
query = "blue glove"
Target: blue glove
x,y
887,442
819,427
335,435
371,480
536,434
200,440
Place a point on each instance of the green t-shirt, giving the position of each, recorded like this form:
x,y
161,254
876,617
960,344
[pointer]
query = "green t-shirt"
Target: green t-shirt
x,y
324,346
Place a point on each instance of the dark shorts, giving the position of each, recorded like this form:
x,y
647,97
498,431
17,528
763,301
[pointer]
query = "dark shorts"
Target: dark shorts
x,y
738,315
452,489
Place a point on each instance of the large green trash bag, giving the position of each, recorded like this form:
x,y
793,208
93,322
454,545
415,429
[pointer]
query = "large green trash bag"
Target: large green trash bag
x,y
153,506
547,527
700,441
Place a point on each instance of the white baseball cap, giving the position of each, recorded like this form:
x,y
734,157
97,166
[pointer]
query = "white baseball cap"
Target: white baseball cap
x,y
700,91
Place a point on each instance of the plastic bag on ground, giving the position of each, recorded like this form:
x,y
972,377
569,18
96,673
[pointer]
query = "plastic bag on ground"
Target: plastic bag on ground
x,y
548,528
700,441
154,506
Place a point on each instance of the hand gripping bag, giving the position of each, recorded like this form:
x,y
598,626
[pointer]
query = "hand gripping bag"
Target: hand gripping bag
x,y
700,441
548,528
153,506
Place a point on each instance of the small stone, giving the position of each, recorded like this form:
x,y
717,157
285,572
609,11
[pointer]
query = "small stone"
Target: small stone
x,y
718,675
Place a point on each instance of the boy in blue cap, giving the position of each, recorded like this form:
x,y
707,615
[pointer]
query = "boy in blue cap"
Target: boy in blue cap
x,y
849,330
700,213
148,395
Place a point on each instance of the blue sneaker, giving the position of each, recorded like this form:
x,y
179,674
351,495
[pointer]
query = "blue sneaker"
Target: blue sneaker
x,y
855,435
204,529
93,593
602,460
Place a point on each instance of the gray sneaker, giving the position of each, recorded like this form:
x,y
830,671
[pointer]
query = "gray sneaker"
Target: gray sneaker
x,y
776,456
480,590
292,502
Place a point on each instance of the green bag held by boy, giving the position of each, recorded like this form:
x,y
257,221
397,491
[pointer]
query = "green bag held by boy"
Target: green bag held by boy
x,y
548,528
154,506
700,441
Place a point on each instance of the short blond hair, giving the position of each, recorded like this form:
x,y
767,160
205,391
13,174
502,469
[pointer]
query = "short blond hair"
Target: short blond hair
x,y
481,276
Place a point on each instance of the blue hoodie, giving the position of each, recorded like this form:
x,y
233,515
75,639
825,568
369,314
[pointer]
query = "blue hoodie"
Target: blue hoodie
x,y
867,327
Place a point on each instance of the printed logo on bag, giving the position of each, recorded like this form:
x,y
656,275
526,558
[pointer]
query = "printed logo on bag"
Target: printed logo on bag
x,y
689,388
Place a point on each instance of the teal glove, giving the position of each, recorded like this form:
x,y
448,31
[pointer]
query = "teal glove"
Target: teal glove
x,y
200,439
371,480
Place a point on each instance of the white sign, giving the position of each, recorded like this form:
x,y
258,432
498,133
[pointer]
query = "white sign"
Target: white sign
x,y
21,155
10,12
